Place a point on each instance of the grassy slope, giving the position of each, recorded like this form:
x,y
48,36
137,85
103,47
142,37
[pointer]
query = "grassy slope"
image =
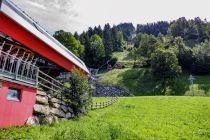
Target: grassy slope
x,y
124,58
140,82
130,118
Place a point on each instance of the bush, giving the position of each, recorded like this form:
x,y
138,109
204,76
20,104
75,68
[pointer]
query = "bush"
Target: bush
x,y
78,92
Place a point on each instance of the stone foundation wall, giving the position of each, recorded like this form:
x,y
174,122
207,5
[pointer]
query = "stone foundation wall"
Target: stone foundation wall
x,y
48,110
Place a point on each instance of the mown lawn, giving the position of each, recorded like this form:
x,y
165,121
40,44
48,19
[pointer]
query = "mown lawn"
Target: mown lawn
x,y
141,83
159,117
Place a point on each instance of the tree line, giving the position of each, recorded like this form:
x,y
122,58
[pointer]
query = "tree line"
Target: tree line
x,y
185,47
95,46
187,39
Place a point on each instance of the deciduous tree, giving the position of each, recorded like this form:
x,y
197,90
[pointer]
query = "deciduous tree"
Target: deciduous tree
x,y
165,67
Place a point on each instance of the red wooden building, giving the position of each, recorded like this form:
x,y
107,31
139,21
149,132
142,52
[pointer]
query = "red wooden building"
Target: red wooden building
x,y
29,58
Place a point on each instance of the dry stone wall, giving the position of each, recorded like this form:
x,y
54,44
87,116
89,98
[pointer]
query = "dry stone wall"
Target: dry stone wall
x,y
110,90
49,109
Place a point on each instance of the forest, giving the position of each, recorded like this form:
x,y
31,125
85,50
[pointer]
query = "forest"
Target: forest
x,y
188,39
167,48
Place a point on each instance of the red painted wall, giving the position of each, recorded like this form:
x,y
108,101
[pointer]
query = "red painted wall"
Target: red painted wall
x,y
20,34
14,113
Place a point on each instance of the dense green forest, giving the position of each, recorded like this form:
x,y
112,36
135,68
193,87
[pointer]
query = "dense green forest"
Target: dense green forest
x,y
167,48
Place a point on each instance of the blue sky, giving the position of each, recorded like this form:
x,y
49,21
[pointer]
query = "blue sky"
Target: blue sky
x,y
78,15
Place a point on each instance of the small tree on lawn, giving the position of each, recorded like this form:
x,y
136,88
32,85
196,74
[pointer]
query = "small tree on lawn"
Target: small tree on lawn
x,y
165,67
78,92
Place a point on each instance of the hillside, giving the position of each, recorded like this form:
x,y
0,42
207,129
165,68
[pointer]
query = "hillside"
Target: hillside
x,y
133,118
124,58
140,81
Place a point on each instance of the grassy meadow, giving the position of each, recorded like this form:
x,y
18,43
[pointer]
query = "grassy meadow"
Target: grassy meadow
x,y
124,57
141,117
134,118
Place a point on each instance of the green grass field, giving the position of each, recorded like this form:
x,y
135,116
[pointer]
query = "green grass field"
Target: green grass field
x,y
140,82
134,118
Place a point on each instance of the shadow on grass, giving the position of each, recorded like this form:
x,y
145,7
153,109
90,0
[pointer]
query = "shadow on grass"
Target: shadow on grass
x,y
141,83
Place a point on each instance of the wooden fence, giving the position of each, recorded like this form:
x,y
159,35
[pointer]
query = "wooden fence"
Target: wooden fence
x,y
103,104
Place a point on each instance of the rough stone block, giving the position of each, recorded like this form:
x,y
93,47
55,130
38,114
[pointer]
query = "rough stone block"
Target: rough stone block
x,y
58,112
41,109
64,108
68,115
33,121
42,99
55,100
42,93
70,109
56,105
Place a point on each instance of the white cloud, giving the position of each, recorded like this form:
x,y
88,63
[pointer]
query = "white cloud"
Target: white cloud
x,y
78,15
37,5
51,14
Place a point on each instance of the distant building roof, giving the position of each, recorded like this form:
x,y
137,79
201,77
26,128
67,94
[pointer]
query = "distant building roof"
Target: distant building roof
x,y
19,16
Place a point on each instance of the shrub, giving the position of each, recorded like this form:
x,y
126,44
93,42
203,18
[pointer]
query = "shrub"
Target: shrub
x,y
78,92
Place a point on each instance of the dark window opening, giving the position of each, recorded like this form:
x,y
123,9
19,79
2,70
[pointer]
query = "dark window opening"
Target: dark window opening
x,y
14,94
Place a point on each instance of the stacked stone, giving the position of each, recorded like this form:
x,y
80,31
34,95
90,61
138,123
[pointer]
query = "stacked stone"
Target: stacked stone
x,y
49,109
107,90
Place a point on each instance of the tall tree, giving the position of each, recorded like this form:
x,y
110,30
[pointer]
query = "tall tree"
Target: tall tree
x,y
146,45
165,67
107,39
127,29
98,31
201,58
76,35
70,42
194,29
153,28
96,52
184,55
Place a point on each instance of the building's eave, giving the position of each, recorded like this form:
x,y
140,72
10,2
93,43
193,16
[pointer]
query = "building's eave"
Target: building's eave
x,y
13,12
